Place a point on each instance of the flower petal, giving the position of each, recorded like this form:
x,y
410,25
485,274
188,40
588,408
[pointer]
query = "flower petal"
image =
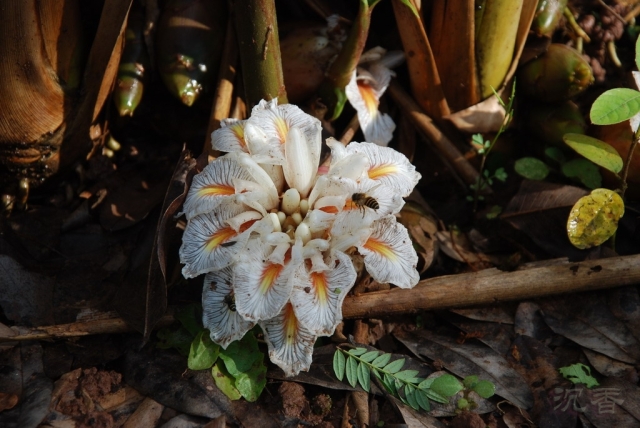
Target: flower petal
x,y
290,343
262,287
317,296
349,230
209,243
218,309
230,137
263,149
388,167
301,163
389,255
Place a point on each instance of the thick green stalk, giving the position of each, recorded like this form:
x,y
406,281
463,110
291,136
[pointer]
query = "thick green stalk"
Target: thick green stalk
x,y
259,46
338,76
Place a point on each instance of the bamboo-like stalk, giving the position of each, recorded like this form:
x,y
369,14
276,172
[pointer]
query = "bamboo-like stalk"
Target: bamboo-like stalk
x,y
259,47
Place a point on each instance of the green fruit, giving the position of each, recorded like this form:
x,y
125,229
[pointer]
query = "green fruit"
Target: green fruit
x,y
547,16
558,75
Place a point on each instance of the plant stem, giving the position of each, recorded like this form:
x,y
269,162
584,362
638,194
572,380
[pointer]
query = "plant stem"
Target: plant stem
x,y
627,163
259,47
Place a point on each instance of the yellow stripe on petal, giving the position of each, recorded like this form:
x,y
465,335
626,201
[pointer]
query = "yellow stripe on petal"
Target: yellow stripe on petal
x,y
382,171
381,248
290,324
269,277
216,190
282,128
319,281
220,237
238,131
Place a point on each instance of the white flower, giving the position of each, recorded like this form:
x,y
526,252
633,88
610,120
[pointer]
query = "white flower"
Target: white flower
x,y
369,81
273,236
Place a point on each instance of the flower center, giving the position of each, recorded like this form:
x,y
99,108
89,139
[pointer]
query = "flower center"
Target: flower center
x,y
289,218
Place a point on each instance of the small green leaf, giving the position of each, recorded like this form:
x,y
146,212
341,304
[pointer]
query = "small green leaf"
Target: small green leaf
x,y
638,53
410,6
410,394
531,168
500,174
594,218
579,373
240,355
382,360
364,376
189,317
615,106
462,404
352,371
423,401
435,396
470,381
484,388
446,385
394,366
369,356
595,150
176,337
554,154
224,381
357,351
426,384
406,374
339,363
203,352
389,382
584,170
251,383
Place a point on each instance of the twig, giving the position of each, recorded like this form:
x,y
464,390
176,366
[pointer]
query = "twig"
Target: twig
x,y
627,162
440,142
350,130
489,286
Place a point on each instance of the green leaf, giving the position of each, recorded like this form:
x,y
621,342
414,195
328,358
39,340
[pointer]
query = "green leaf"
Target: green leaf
x,y
240,355
584,170
423,401
435,396
615,106
382,360
595,150
394,366
251,383
531,168
500,174
470,381
369,356
364,376
339,363
224,381
389,382
638,53
484,388
203,352
555,154
176,337
352,371
410,394
189,317
446,385
594,218
357,351
426,384
406,374
579,373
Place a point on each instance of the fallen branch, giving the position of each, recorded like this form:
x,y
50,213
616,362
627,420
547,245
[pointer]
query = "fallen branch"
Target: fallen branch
x,y
489,286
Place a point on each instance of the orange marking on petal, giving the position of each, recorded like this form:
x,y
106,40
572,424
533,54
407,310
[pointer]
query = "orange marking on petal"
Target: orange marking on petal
x,y
369,97
319,280
381,248
246,225
329,209
269,276
216,190
382,170
220,237
290,324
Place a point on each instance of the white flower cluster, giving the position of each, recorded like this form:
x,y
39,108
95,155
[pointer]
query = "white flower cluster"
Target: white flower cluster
x,y
273,235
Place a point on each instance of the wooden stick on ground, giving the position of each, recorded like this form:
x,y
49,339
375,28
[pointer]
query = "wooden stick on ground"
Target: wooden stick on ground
x,y
440,142
485,287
